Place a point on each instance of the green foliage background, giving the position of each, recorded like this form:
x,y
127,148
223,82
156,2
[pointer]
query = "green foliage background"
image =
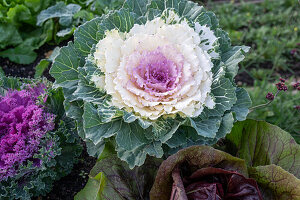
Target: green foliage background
x,y
20,34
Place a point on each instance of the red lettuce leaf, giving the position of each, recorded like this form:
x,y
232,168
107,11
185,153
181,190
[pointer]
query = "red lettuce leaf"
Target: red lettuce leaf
x,y
272,155
215,183
196,157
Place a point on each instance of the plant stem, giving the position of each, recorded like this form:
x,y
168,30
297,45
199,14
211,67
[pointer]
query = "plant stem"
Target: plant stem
x,y
263,105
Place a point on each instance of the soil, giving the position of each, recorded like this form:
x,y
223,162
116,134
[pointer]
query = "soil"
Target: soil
x,y
27,71
67,187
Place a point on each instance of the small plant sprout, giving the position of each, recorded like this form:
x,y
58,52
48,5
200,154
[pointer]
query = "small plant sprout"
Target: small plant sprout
x,y
296,85
281,86
270,96
83,174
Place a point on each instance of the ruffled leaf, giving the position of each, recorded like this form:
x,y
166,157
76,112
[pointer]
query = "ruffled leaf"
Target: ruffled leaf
x,y
206,127
188,9
86,91
232,58
95,130
242,105
225,97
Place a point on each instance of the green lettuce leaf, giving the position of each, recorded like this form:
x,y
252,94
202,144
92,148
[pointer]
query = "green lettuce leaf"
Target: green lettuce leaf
x,y
9,35
60,10
261,143
111,178
21,54
18,30
276,183
272,157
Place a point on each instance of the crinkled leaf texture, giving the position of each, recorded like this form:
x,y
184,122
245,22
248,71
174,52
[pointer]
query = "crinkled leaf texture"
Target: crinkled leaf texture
x,y
56,161
111,178
135,137
196,157
272,155
276,183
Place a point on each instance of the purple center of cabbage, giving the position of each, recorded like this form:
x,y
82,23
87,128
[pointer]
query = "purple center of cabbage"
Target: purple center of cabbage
x,y
155,72
22,125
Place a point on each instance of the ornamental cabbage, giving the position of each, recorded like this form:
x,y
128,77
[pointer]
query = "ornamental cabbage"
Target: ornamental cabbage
x,y
153,73
37,144
153,77
22,125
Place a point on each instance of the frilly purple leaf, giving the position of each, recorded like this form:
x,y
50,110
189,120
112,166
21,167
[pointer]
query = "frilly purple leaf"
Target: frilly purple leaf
x,y
22,124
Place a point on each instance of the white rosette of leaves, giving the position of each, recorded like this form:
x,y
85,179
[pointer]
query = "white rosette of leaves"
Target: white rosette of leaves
x,y
135,136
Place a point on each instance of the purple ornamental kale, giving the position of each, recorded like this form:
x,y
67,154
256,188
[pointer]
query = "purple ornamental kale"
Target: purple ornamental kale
x,y
22,125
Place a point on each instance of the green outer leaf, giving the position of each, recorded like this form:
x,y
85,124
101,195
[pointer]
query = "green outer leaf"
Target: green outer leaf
x,y
91,69
130,136
178,139
163,129
282,184
121,20
65,67
87,91
261,143
40,68
94,129
198,157
226,126
86,36
232,58
95,150
225,97
242,105
93,188
206,127
120,182
74,110
136,6
134,157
